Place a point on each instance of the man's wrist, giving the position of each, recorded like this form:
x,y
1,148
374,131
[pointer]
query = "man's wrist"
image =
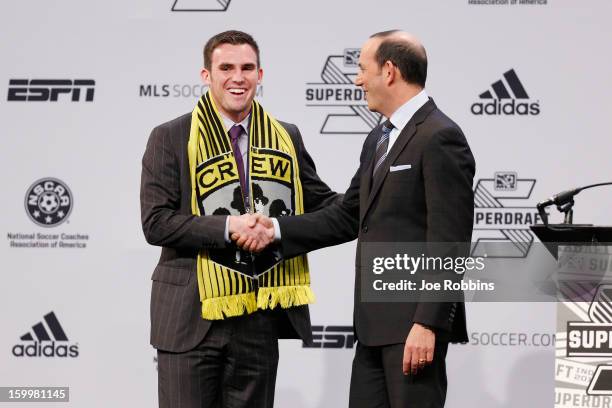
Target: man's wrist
x,y
226,233
277,231
426,326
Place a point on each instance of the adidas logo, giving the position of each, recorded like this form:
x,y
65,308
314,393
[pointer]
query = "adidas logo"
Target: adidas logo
x,y
509,97
41,341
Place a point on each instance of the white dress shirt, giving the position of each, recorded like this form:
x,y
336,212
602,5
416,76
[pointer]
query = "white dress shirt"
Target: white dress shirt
x,y
404,113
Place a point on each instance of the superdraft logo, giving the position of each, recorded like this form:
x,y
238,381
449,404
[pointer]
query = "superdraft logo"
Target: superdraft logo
x,y
502,215
47,339
508,98
583,370
200,5
345,103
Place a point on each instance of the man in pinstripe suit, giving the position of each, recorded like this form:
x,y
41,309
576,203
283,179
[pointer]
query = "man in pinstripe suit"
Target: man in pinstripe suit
x,y
213,363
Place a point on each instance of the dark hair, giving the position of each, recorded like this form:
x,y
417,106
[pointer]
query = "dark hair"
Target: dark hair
x,y
233,37
410,59
238,201
258,193
278,209
221,211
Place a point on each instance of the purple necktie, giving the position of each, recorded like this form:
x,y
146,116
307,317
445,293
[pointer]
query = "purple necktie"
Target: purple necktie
x,y
235,133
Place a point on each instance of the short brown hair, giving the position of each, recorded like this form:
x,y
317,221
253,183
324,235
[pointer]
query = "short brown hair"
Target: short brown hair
x,y
233,37
410,59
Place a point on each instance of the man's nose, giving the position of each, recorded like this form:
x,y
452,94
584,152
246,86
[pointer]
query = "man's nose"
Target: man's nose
x,y
358,80
238,76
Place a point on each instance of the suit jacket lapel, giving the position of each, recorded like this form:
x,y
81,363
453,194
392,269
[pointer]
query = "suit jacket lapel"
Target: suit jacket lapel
x,y
404,137
366,181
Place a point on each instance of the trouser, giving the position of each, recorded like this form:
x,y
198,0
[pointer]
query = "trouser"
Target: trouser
x,y
378,381
233,367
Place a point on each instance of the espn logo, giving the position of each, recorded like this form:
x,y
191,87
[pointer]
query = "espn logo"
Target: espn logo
x,y
49,90
335,337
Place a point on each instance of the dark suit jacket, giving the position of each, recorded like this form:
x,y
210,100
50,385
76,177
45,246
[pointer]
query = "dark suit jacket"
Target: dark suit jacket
x,y
165,200
430,202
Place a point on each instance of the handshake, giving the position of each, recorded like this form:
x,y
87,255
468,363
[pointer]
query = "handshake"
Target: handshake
x,y
251,232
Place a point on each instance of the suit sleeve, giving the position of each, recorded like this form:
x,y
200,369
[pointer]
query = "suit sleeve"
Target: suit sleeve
x,y
333,223
317,193
160,201
448,172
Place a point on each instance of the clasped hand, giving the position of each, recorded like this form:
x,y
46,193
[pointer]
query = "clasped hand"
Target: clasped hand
x,y
251,232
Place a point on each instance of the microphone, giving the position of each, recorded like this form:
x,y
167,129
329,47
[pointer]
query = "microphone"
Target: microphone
x,y
564,202
560,199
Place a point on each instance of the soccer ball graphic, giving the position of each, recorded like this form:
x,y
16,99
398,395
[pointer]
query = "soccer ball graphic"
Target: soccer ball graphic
x,y
48,202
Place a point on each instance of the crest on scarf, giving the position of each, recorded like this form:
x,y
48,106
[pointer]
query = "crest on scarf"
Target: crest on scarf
x,y
271,193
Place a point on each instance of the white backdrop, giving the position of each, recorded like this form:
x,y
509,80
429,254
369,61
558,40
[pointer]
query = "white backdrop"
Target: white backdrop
x,y
559,50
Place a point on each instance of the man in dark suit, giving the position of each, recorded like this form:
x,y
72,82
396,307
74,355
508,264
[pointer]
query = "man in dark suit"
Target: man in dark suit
x,y
229,361
413,184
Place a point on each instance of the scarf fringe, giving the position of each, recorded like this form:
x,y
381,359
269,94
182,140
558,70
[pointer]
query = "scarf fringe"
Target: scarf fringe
x,y
233,305
285,296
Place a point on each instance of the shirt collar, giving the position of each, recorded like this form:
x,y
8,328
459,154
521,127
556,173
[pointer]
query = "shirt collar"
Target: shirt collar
x,y
404,113
229,123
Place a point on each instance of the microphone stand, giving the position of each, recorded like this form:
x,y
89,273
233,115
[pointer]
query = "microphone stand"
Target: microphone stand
x,y
567,209
565,204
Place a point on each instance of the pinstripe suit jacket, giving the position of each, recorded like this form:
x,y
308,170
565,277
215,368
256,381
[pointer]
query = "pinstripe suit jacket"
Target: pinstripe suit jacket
x,y
165,200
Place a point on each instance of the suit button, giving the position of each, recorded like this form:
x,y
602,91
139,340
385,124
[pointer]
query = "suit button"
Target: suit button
x,y
364,229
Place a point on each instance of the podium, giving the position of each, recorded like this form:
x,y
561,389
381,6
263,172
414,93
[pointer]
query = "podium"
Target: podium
x,y
583,357
553,234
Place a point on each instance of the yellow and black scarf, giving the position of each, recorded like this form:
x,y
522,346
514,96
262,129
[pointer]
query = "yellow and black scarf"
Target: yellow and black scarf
x,y
226,277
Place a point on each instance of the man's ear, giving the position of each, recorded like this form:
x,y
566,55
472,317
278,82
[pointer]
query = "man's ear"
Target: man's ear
x,y
205,75
389,73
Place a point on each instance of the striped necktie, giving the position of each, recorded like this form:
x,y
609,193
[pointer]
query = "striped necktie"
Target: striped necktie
x,y
381,146
235,132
